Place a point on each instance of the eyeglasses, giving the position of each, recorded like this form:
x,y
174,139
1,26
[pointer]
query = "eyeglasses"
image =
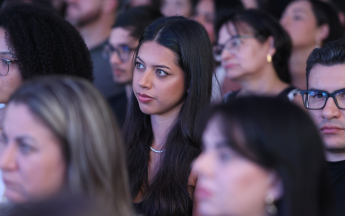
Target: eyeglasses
x,y
123,51
316,99
5,66
231,45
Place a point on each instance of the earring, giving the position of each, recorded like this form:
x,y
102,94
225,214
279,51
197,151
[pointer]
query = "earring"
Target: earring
x,y
270,207
269,58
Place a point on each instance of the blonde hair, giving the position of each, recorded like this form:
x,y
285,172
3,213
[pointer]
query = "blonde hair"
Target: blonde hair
x,y
91,141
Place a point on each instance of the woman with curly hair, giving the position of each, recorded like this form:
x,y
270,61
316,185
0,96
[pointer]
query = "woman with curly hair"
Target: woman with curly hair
x,y
34,42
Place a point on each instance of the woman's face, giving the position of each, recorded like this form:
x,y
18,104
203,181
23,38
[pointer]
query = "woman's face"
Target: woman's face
x,y
158,81
121,61
301,24
31,159
228,183
246,57
205,15
176,8
10,82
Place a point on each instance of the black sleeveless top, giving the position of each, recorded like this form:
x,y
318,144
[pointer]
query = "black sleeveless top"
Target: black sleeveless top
x,y
287,94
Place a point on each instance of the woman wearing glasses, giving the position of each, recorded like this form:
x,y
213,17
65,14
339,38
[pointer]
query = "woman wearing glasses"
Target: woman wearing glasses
x,y
172,85
254,50
123,40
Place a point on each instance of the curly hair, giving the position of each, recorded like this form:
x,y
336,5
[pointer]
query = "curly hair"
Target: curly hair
x,y
44,43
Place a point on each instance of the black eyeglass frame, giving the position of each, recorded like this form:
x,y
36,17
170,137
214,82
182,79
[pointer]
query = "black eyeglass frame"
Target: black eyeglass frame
x,y
115,49
8,62
332,95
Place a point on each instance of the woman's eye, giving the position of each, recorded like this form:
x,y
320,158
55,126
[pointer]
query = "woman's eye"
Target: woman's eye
x,y
25,148
4,62
161,73
139,66
297,17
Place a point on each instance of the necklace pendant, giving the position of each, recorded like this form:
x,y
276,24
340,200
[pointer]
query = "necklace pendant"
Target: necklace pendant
x,y
154,150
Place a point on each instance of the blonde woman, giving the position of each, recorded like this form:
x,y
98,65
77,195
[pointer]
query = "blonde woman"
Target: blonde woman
x,y
59,135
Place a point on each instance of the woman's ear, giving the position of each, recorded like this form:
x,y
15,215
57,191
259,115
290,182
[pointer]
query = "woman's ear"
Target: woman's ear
x,y
322,34
276,188
272,49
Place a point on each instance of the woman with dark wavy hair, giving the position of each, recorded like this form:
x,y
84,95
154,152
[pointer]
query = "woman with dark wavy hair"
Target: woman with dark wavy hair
x,y
172,84
35,42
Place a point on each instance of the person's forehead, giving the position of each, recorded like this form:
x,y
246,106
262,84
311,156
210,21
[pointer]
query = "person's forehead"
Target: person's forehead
x,y
120,35
328,78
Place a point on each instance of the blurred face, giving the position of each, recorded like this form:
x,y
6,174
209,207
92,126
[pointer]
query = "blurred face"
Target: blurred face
x,y
137,3
121,58
330,120
176,8
82,12
31,160
205,14
158,81
228,184
10,82
249,4
246,56
301,24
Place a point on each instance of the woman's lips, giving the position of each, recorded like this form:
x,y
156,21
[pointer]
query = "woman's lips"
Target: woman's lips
x,y
143,98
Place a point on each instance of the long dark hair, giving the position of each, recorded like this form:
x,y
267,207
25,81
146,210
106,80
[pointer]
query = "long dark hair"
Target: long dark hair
x,y
325,13
279,136
263,25
168,194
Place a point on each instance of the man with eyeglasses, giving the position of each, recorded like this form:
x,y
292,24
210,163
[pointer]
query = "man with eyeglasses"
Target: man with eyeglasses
x,y
119,50
325,100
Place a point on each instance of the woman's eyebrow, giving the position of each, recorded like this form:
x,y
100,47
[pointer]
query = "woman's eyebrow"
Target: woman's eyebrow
x,y
6,53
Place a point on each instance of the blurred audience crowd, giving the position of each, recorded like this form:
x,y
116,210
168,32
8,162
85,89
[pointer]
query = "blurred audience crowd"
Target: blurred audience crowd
x,y
172,107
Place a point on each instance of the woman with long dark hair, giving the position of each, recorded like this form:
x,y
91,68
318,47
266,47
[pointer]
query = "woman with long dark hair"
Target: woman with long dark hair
x,y
172,84
262,156
310,24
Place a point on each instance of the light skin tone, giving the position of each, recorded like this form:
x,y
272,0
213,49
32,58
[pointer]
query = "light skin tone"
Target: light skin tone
x,y
122,70
10,82
158,84
31,160
301,24
205,14
228,183
176,8
93,19
248,4
330,120
247,63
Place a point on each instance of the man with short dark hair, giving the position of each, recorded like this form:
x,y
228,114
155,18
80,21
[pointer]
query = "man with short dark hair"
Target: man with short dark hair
x,y
325,99
93,19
